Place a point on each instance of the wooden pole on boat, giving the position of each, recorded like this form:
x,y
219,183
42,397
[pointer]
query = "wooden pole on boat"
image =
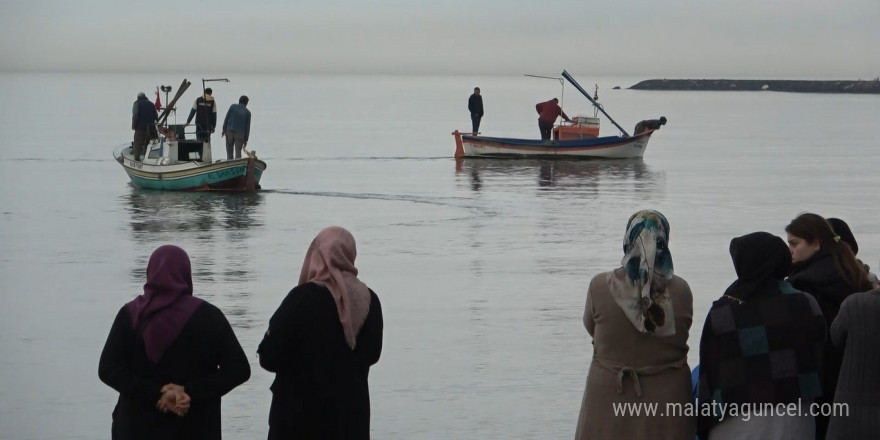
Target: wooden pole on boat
x,y
169,107
250,180
570,79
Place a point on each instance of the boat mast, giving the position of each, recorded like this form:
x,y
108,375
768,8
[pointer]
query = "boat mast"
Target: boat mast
x,y
570,79
210,80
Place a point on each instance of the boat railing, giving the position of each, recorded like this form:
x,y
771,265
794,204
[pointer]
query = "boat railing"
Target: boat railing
x,y
117,152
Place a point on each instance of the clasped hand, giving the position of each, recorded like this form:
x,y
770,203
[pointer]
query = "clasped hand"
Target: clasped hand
x,y
174,399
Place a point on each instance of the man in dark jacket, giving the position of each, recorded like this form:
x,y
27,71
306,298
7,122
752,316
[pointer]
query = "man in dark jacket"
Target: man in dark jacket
x,y
143,116
205,111
237,127
475,106
649,124
548,111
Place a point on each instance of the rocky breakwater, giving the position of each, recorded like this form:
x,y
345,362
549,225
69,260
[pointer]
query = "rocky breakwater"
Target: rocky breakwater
x,y
798,86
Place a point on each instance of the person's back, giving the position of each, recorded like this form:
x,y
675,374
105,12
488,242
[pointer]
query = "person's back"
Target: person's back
x,y
237,127
548,111
639,353
318,370
205,112
858,388
191,360
166,345
320,344
614,339
238,119
649,124
760,345
144,114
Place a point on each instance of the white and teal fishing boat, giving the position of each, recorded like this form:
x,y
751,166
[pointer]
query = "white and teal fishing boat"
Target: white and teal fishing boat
x,y
174,163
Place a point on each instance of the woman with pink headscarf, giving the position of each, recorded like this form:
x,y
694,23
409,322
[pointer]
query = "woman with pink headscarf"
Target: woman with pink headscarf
x,y
321,343
171,356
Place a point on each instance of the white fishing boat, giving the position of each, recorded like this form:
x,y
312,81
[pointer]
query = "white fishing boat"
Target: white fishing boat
x,y
173,162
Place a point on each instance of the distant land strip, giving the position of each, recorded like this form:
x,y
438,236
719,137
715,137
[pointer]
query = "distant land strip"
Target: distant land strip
x,y
798,86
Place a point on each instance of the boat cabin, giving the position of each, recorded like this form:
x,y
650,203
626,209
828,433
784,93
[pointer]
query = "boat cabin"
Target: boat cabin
x,y
173,147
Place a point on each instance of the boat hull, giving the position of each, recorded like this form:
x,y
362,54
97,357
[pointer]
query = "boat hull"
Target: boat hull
x,y
609,147
227,175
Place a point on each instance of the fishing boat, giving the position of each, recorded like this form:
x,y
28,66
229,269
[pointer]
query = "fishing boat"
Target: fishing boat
x,y
173,162
578,139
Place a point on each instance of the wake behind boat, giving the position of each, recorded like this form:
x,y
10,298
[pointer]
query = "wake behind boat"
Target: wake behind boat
x,y
575,140
173,162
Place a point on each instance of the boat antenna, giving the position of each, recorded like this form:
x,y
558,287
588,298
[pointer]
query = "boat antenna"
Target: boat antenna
x,y
570,79
561,84
166,89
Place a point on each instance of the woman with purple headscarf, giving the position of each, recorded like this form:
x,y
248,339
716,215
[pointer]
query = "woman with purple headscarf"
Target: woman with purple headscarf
x,y
321,343
171,357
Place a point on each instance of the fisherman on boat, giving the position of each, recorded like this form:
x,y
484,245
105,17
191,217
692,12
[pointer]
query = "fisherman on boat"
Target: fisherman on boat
x,y
237,127
205,111
649,124
143,121
548,111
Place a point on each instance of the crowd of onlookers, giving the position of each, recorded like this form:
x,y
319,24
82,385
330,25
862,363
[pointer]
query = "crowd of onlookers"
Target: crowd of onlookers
x,y
793,333
795,330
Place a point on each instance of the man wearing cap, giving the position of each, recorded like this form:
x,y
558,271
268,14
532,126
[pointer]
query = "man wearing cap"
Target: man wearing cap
x,y
143,115
475,106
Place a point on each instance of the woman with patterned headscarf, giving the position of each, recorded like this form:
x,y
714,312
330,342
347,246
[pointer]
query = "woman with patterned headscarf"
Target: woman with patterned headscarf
x,y
639,316
171,356
321,343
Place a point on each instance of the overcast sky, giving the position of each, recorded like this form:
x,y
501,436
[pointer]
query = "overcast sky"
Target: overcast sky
x,y
647,38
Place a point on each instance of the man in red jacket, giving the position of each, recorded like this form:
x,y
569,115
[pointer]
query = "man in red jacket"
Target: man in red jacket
x,y
549,111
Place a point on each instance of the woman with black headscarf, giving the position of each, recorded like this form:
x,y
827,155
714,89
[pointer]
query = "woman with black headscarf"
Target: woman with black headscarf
x,y
171,356
760,349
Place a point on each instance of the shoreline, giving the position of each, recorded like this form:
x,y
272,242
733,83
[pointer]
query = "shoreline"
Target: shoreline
x,y
795,86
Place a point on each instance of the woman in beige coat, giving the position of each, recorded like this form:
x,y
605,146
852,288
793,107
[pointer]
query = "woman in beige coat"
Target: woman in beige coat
x,y
639,316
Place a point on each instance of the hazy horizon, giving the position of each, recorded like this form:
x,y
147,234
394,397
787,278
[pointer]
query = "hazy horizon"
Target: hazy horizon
x,y
674,39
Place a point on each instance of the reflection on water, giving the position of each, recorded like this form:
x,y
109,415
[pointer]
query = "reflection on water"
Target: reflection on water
x,y
165,211
625,175
214,228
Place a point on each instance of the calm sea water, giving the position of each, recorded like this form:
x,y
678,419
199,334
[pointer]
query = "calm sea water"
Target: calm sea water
x,y
481,266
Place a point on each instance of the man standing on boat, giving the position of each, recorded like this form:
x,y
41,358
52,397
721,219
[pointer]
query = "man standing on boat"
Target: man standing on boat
x,y
143,115
548,111
237,127
205,111
475,106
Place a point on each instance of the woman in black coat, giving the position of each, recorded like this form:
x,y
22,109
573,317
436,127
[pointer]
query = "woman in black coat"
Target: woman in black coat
x,y
320,344
171,356
824,266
